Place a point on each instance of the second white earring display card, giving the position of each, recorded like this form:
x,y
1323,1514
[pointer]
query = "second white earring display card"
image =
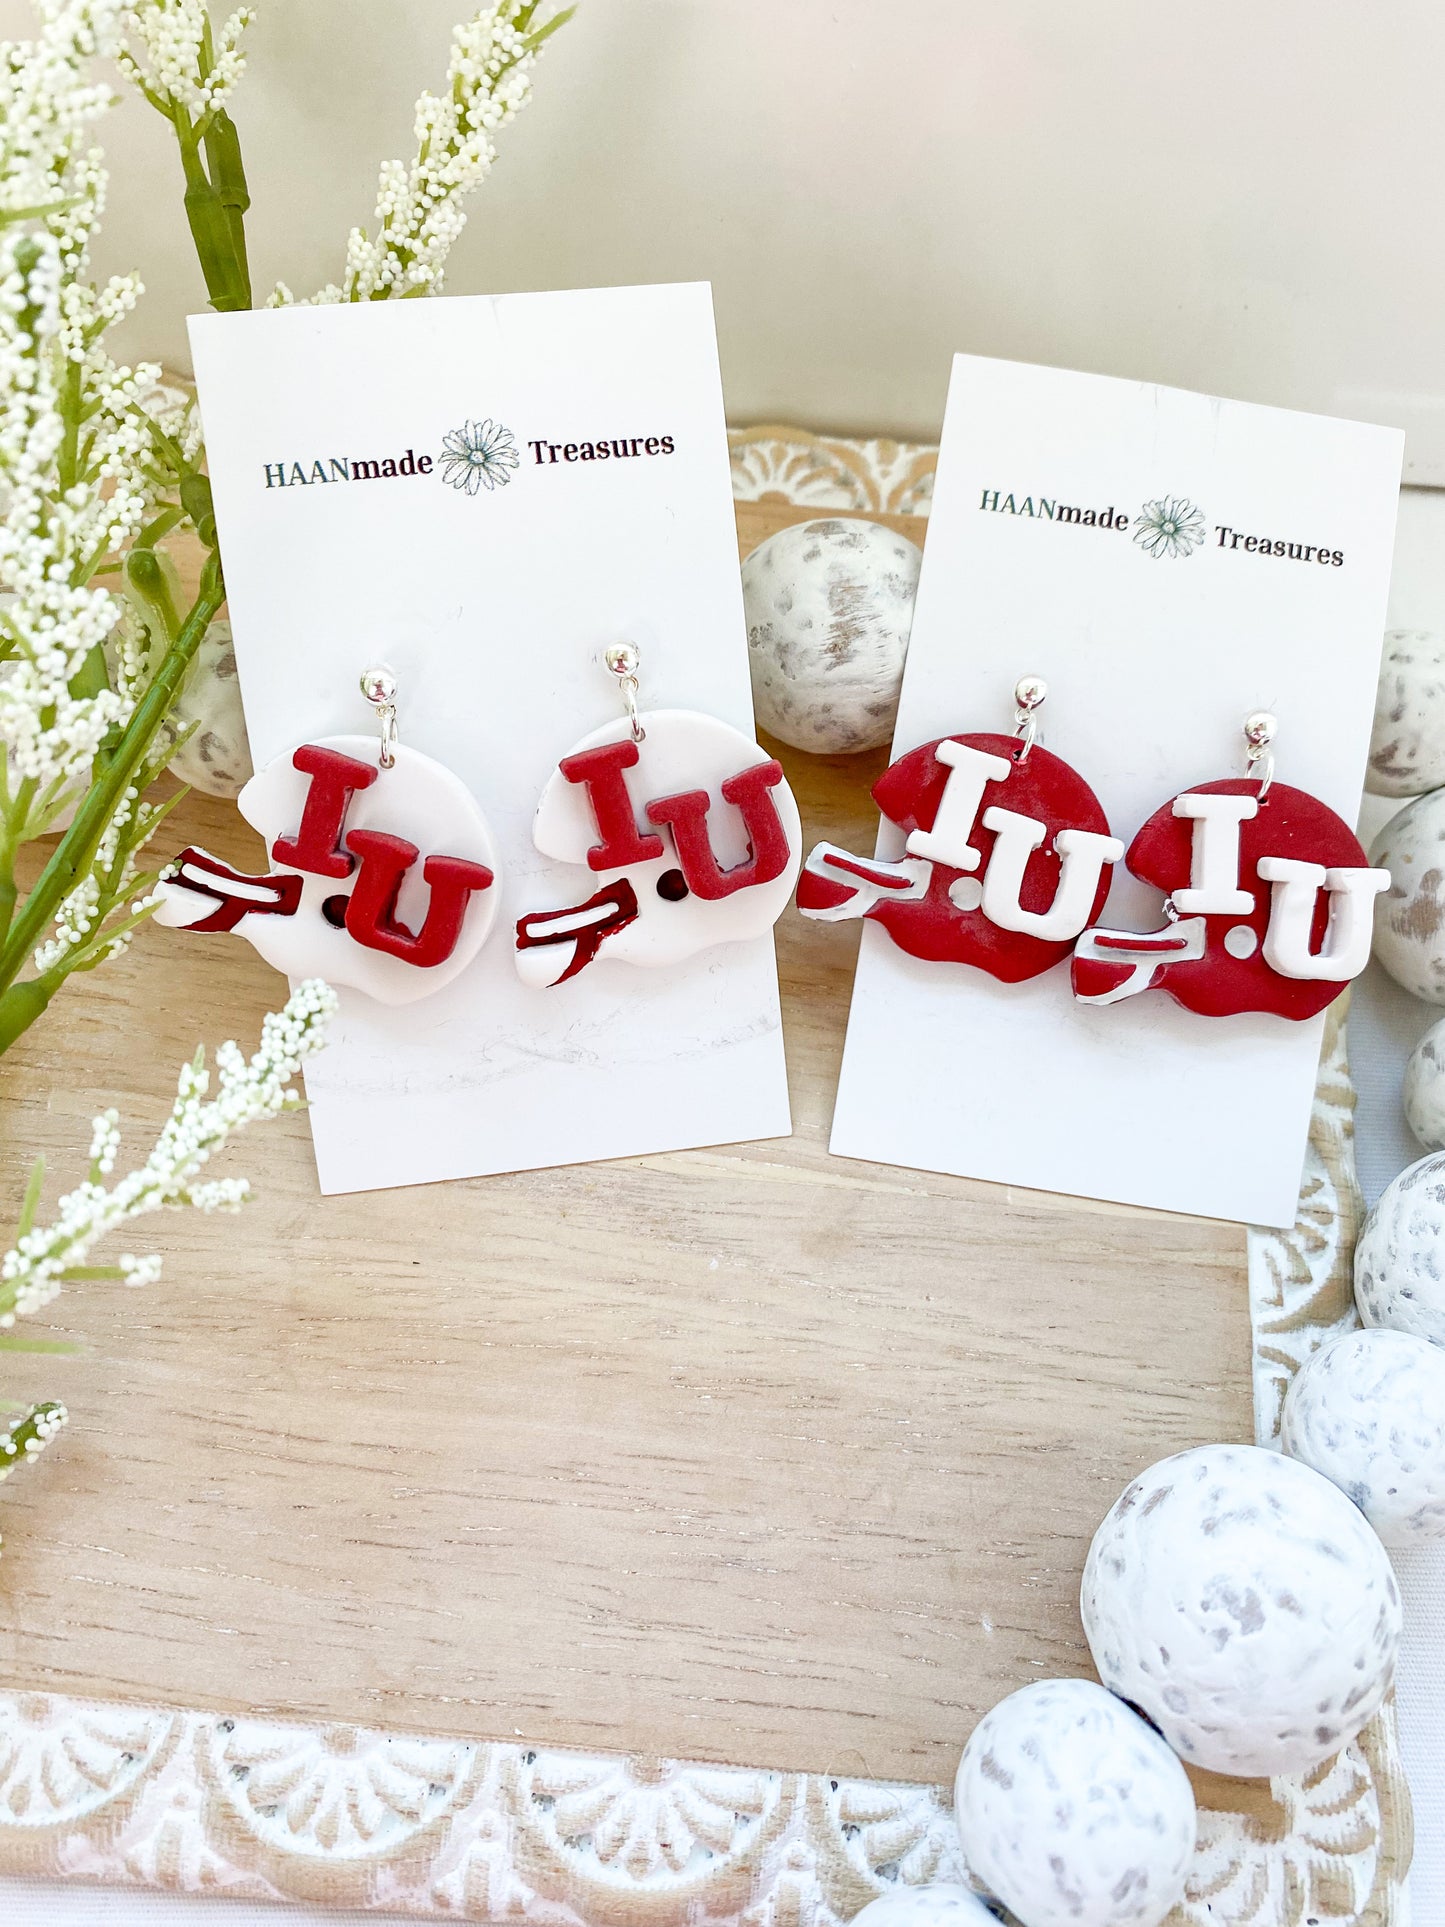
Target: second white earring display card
x,y
407,482
1168,563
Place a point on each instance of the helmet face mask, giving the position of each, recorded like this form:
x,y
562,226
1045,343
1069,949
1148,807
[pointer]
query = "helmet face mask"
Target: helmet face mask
x,y
1268,899
1007,858
686,838
382,881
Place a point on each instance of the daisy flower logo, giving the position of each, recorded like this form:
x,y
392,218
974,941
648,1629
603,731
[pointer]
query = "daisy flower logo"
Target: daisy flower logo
x,y
1171,526
479,455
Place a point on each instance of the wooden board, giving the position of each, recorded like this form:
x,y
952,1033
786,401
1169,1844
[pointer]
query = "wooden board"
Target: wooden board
x,y
749,1454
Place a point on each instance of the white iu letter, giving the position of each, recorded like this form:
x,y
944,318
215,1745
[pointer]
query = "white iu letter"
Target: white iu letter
x,y
969,771
1082,856
1293,889
1213,888
1082,853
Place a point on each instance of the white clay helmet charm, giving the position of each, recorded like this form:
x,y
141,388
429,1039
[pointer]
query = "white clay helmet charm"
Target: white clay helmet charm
x,y
682,827
383,872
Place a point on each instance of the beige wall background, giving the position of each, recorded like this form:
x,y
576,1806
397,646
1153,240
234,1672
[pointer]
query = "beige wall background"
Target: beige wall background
x,y
1240,198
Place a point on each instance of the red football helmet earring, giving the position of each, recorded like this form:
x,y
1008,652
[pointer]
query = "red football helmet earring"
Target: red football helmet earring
x,y
1268,894
1006,860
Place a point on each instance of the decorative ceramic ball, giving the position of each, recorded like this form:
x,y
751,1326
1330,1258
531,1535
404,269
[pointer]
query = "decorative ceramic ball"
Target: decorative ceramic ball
x,y
1368,1412
1072,1811
829,605
1400,1254
1244,1606
1407,744
217,757
1424,1092
1410,916
937,1906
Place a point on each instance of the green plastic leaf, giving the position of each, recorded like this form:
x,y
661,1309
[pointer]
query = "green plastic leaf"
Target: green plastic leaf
x,y
196,497
91,677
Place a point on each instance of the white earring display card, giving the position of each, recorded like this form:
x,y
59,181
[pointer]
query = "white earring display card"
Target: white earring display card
x,y
1167,563
486,495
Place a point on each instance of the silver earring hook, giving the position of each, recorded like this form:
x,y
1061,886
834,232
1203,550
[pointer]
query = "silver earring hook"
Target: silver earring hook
x,y
378,685
1260,729
624,659
1029,692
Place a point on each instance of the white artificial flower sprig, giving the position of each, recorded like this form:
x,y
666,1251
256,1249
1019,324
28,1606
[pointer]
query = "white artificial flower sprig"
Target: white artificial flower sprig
x,y
419,212
85,932
182,58
76,467
187,69
74,451
48,103
42,1259
73,461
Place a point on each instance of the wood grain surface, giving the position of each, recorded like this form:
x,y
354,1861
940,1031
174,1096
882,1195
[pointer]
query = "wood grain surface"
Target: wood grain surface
x,y
749,1454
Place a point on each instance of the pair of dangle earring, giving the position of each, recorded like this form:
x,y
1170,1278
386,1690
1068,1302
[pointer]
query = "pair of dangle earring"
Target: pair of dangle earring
x,y
1008,859
385,871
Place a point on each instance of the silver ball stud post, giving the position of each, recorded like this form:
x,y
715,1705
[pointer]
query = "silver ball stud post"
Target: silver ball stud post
x,y
378,685
1260,728
1029,691
624,659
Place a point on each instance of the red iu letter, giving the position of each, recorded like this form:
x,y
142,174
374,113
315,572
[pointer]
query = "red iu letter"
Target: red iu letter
x,y
600,770
686,817
371,907
316,846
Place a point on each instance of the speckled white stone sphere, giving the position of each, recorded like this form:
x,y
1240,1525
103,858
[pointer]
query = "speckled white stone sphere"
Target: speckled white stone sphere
x,y
1407,743
829,605
1244,1606
937,1906
1368,1412
1072,1811
1410,915
217,758
1424,1089
1400,1254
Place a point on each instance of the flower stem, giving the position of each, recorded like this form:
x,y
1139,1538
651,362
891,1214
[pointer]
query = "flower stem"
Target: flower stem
x,y
22,1003
216,206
